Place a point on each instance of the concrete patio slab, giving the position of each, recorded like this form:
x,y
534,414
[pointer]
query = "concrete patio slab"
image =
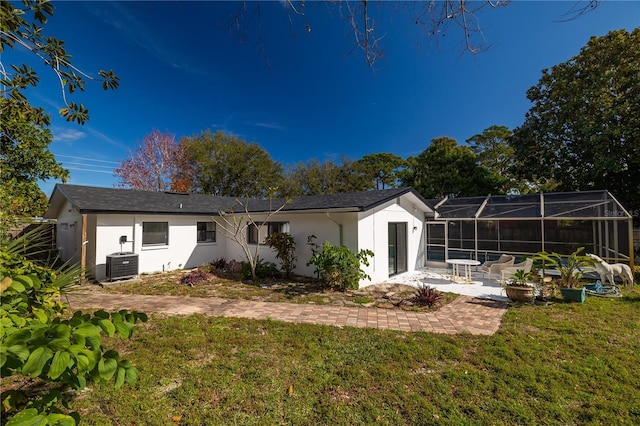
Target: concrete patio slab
x,y
441,280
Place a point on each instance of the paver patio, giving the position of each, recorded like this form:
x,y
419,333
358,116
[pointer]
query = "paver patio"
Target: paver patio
x,y
464,315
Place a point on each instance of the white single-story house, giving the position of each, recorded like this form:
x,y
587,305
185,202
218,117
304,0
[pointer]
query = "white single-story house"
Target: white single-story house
x,y
166,231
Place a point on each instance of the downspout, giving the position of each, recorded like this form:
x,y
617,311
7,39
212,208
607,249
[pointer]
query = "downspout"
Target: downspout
x,y
133,235
83,247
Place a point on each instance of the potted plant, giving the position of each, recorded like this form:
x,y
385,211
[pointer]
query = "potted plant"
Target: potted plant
x,y
570,272
518,287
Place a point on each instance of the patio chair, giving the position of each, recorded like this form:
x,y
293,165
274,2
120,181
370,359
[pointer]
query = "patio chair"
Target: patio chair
x,y
505,273
493,267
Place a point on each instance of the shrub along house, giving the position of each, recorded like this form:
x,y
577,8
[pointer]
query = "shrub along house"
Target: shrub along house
x,y
160,231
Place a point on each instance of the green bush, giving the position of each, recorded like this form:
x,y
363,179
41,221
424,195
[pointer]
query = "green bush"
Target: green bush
x,y
337,266
285,247
38,339
263,270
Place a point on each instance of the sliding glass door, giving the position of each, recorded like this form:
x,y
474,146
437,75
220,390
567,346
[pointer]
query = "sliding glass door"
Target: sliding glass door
x,y
397,248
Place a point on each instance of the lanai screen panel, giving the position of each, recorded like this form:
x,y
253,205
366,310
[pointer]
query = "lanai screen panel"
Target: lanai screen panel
x,y
520,235
588,204
624,239
460,208
615,240
488,236
526,224
462,234
565,236
511,207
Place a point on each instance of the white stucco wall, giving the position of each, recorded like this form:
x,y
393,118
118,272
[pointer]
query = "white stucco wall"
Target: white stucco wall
x,y
182,251
326,227
374,235
360,231
356,230
69,233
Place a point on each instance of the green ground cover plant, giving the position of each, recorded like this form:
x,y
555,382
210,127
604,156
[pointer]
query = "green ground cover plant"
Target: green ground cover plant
x,y
560,364
47,352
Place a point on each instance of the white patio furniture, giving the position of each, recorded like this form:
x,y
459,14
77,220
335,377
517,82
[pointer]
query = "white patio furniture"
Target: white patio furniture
x,y
505,273
467,264
494,267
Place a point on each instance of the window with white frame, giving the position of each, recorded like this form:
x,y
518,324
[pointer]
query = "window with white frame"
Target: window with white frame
x,y
206,232
266,229
155,233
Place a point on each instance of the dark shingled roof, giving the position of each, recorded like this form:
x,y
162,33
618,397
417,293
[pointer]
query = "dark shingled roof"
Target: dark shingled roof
x,y
88,199
360,201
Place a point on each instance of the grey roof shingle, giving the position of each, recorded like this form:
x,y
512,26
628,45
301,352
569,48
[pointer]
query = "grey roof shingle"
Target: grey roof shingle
x,y
88,199
360,201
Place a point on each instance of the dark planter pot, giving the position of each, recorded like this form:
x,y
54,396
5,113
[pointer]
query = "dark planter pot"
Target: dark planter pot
x,y
573,294
520,294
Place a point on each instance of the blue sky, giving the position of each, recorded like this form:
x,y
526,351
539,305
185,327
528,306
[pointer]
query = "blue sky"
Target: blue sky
x,y
307,95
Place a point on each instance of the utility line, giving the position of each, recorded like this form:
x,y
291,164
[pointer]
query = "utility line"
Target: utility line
x,y
89,170
74,163
86,159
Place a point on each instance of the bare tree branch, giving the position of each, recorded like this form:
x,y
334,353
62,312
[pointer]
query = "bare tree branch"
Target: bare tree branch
x,y
579,9
433,19
235,227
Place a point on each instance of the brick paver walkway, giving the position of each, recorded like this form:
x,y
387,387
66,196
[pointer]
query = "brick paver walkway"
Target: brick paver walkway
x,y
463,315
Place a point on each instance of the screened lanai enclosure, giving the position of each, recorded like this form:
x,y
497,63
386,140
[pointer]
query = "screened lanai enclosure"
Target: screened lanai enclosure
x,y
482,228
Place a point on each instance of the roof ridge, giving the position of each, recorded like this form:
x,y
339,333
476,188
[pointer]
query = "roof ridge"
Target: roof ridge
x,y
127,200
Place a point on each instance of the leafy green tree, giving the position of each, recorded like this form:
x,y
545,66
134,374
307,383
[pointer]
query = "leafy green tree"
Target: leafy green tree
x,y
316,178
24,134
448,169
583,129
497,155
493,149
226,165
24,159
381,168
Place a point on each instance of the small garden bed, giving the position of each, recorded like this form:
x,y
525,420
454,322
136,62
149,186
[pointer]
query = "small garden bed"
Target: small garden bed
x,y
303,290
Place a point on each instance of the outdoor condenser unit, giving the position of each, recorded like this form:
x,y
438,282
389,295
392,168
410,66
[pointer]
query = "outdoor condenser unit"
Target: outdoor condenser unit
x,y
122,264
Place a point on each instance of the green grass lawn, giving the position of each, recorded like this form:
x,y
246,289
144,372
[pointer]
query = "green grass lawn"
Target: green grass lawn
x,y
562,364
